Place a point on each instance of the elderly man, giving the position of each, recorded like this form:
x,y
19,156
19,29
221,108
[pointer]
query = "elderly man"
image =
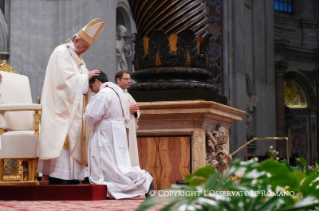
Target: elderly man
x,y
62,146
109,160
123,80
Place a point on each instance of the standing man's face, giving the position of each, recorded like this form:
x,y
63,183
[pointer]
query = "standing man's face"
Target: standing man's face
x,y
124,82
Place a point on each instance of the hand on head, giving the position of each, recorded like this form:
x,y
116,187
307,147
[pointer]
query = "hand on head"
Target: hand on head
x,y
93,73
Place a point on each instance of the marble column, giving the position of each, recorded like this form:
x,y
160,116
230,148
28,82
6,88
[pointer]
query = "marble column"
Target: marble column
x,y
316,74
280,69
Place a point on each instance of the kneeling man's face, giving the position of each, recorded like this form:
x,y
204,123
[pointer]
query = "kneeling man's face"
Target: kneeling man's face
x,y
95,86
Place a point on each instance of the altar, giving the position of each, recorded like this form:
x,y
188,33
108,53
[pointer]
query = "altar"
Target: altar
x,y
172,136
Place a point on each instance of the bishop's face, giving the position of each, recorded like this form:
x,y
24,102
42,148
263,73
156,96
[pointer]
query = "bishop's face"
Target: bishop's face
x,y
80,46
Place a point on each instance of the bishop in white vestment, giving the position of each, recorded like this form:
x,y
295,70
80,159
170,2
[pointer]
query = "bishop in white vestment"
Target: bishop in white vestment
x,y
109,160
62,146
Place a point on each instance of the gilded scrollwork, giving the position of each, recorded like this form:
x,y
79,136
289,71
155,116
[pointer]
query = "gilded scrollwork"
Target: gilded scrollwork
x,y
217,153
7,68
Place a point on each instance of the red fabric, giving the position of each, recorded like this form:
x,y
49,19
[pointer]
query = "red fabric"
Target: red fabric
x,y
25,163
53,192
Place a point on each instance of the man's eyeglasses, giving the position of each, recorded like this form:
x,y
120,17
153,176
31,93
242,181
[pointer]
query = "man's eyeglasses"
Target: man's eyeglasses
x,y
84,45
126,79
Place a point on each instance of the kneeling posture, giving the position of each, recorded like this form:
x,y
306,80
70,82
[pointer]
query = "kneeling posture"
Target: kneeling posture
x,y
109,160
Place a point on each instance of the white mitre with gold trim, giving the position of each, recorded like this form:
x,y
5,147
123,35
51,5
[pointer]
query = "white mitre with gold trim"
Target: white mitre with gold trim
x,y
91,31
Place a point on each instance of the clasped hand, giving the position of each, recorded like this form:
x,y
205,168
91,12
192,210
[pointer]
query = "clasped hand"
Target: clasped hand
x,y
134,108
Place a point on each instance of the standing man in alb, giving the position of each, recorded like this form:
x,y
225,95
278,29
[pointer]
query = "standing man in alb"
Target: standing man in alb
x,y
63,136
123,80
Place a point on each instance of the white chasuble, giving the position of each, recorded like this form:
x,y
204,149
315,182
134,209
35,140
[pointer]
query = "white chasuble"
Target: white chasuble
x,y
62,151
109,160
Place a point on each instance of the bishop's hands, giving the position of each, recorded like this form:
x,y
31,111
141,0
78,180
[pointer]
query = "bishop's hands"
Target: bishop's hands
x,y
93,73
134,107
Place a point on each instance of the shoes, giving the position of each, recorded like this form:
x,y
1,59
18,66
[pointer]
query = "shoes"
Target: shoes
x,y
86,181
151,188
57,181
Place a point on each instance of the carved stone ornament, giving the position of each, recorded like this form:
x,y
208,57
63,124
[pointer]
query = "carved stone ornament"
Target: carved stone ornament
x,y
280,67
217,153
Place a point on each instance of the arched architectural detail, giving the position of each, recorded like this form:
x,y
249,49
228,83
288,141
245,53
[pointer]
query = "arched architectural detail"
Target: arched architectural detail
x,y
301,79
123,11
302,124
295,95
124,17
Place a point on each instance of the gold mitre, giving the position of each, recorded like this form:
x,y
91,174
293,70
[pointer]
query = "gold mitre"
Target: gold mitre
x,y
91,31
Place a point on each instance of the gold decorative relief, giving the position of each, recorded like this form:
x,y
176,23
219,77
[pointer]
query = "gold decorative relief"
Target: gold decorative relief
x,y
7,68
217,153
13,170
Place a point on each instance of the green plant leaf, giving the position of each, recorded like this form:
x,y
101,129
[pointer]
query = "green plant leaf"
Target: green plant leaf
x,y
309,202
275,202
153,201
305,164
310,184
168,207
299,176
212,182
200,175
316,170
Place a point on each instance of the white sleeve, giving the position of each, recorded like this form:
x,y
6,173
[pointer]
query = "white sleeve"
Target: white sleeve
x,y
86,85
96,109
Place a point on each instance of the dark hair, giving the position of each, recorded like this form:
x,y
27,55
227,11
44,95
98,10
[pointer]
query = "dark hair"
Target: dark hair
x,y
101,77
120,73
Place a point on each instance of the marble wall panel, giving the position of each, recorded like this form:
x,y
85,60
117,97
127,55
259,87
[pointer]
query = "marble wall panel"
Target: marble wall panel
x,y
36,27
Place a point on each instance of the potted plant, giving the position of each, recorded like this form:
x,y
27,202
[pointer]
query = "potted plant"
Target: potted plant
x,y
268,185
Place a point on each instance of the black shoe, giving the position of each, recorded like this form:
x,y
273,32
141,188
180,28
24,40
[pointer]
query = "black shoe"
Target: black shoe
x,y
57,181
73,182
151,188
86,181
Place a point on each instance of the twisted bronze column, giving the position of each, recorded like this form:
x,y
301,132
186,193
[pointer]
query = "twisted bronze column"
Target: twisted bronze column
x,y
171,46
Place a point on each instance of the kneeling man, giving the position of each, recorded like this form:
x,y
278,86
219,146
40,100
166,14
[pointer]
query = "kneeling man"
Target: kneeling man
x,y
109,160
